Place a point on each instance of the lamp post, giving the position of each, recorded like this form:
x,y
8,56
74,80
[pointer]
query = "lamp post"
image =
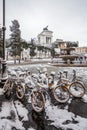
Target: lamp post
x,y
4,64
3,29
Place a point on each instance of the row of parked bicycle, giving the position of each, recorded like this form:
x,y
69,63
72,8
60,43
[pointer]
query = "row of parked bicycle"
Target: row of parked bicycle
x,y
38,84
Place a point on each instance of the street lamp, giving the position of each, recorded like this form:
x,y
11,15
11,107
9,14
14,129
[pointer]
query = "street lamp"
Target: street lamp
x,y
4,64
3,29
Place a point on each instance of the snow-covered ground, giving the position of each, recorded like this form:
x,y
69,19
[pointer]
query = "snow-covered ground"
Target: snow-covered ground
x,y
30,60
64,119
14,113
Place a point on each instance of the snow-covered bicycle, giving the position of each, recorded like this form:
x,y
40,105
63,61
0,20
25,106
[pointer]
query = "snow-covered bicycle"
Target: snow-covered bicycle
x,y
14,84
65,87
38,95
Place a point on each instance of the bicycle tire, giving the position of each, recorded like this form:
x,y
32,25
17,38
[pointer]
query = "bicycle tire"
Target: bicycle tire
x,y
6,85
77,89
7,88
61,94
20,91
38,101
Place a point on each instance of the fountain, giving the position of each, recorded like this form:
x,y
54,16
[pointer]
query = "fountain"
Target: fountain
x,y
66,54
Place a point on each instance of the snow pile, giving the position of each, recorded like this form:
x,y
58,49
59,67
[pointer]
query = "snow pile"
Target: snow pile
x,y
64,119
22,111
84,98
9,115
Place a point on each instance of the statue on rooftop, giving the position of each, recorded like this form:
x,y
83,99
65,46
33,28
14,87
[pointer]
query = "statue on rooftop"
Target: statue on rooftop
x,y
46,28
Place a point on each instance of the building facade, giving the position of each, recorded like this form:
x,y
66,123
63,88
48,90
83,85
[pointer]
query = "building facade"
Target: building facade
x,y
81,50
45,37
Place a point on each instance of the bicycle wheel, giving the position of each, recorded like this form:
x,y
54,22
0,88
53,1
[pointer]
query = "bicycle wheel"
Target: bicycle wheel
x,y
20,91
61,94
77,89
37,100
7,88
6,85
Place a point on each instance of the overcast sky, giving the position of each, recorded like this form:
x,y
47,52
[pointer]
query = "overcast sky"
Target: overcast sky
x,y
66,18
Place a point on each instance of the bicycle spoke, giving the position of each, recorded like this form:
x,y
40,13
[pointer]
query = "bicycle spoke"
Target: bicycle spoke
x,y
77,89
61,94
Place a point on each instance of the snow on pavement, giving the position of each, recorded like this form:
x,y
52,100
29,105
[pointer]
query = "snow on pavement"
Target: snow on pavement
x,y
59,117
9,116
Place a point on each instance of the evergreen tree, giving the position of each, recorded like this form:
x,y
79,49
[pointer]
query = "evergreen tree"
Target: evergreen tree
x,y
32,48
24,44
15,39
